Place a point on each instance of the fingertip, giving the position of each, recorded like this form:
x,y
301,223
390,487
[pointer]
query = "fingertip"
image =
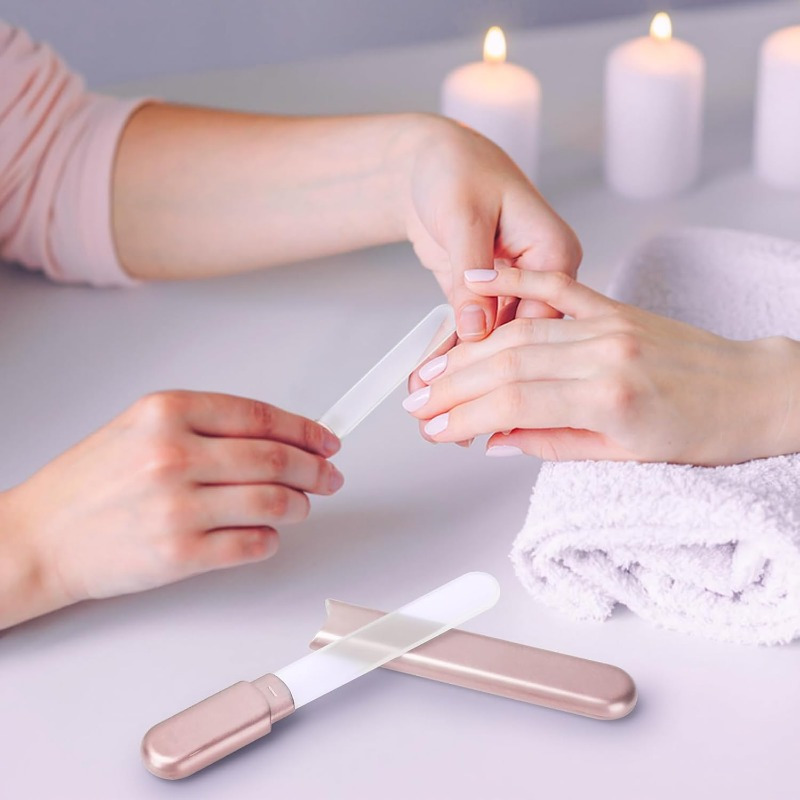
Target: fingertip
x,y
335,480
271,544
331,443
261,544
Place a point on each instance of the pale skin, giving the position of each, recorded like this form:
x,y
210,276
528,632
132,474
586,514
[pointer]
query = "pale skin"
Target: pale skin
x,y
184,482
614,382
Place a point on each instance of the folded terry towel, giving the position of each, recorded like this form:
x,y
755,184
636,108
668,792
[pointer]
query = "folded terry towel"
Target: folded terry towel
x,y
713,551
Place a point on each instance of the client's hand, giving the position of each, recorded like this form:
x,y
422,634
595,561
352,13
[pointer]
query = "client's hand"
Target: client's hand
x,y
180,483
469,205
614,383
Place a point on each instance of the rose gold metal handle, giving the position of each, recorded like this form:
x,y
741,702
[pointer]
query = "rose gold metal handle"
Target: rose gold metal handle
x,y
495,666
215,727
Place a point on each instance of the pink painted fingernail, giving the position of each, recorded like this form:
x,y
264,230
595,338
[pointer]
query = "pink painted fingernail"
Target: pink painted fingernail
x,y
417,399
480,275
503,451
437,424
436,366
471,322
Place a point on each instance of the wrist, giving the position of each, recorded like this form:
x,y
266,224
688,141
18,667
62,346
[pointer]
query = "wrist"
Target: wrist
x,y
781,388
27,587
417,134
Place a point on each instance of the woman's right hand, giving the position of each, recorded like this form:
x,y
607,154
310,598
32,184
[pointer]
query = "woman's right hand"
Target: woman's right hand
x,y
615,382
180,483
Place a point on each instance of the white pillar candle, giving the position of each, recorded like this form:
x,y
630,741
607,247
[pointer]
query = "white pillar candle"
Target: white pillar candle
x,y
500,100
654,111
777,134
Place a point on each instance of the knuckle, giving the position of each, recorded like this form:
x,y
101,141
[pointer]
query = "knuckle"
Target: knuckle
x,y
166,459
262,414
507,363
159,407
274,502
618,396
622,348
276,459
313,436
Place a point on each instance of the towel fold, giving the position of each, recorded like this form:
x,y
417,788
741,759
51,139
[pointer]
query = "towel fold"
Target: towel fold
x,y
712,551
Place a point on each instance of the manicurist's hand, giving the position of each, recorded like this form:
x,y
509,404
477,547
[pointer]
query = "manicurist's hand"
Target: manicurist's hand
x,y
199,192
180,483
614,383
470,205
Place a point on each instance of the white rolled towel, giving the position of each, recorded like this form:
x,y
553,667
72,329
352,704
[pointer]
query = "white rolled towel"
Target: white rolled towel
x,y
712,551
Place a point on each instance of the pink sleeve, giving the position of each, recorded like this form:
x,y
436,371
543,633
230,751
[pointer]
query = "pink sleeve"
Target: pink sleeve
x,y
57,149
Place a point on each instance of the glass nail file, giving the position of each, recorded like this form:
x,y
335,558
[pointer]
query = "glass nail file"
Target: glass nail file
x,y
236,716
366,395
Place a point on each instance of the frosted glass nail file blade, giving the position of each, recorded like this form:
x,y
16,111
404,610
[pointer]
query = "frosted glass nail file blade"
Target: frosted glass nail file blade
x,y
366,395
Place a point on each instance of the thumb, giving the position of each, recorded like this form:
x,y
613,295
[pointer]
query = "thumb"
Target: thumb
x,y
469,242
557,444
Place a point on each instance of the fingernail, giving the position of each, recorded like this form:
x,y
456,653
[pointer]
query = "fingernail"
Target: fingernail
x,y
503,451
436,366
330,442
335,480
417,399
471,322
437,424
480,275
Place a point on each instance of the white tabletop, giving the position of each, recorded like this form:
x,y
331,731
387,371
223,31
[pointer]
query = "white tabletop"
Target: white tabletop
x,y
80,687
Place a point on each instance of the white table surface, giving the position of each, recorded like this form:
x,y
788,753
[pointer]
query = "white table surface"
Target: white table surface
x,y
80,687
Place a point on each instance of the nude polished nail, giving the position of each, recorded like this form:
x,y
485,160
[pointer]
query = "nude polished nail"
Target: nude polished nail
x,y
471,322
436,366
417,399
437,424
503,451
480,275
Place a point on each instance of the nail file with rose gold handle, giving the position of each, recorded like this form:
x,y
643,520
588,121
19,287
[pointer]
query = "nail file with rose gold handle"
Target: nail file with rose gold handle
x,y
235,717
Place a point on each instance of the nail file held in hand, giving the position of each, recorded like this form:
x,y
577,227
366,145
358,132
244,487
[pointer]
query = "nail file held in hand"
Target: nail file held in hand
x,y
427,337
244,712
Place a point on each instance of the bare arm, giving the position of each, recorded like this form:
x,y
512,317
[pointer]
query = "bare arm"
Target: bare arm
x,y
202,192
199,192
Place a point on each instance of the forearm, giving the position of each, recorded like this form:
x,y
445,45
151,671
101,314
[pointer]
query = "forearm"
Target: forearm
x,y
203,192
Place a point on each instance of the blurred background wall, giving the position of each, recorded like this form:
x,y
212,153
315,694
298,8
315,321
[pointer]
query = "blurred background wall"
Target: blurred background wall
x,y
117,40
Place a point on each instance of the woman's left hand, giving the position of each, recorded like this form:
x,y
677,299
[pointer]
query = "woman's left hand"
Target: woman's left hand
x,y
470,205
615,382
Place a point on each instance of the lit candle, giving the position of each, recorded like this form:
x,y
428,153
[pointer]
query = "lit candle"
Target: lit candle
x,y
500,100
777,142
654,110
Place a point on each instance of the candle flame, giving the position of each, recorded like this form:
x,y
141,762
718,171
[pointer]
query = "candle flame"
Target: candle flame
x,y
494,45
661,27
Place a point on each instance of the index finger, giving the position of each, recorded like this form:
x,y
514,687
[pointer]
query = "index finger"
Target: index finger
x,y
557,289
414,380
211,414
